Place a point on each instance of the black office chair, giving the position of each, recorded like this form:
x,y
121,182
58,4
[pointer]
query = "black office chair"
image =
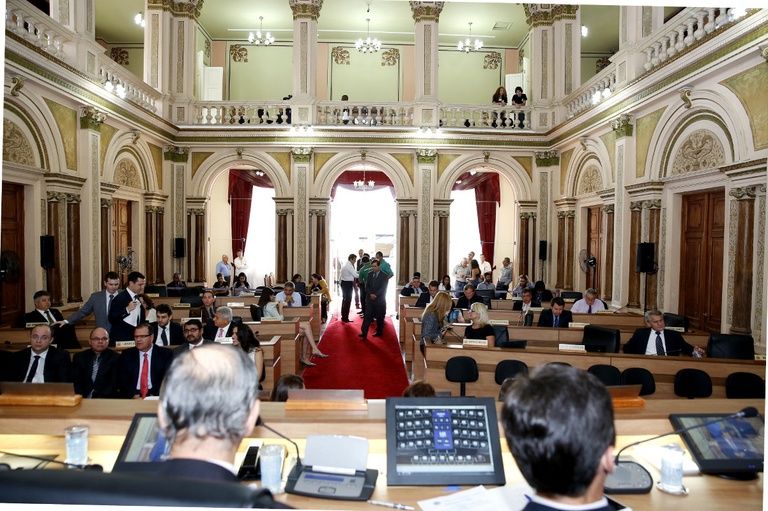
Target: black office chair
x,y
692,383
744,386
193,301
277,289
608,374
301,287
509,369
517,345
159,291
487,295
601,339
257,312
502,335
528,321
676,320
556,363
740,347
567,295
639,376
461,370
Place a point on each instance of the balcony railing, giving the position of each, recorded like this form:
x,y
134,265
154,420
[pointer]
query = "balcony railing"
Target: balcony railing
x,y
37,28
476,116
250,113
593,91
124,84
342,113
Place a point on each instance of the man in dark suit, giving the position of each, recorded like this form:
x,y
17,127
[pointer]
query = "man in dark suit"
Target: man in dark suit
x,y
41,362
169,333
469,297
126,311
63,336
558,422
176,287
193,333
655,340
425,299
134,378
375,300
208,310
414,287
556,316
98,304
220,326
526,303
95,370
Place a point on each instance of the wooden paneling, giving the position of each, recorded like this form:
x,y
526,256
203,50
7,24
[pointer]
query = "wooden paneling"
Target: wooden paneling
x,y
594,245
12,239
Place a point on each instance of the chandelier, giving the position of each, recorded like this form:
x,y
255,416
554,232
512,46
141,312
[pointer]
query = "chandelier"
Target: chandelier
x,y
258,39
369,45
139,19
363,185
467,46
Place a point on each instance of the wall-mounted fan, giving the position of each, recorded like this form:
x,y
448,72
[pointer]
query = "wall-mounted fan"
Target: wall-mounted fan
x,y
587,261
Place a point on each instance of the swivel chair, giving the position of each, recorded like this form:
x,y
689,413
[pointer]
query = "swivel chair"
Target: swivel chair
x,y
461,370
601,339
692,383
676,320
639,376
509,369
740,347
608,374
744,386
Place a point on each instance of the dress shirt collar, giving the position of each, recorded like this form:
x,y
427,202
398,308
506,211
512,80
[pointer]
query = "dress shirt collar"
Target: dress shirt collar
x,y
603,502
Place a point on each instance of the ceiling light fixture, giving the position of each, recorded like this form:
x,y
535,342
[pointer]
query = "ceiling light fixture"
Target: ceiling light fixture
x,y
467,45
369,45
363,185
259,39
139,19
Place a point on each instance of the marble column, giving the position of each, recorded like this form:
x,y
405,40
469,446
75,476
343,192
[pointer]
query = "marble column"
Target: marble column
x,y
200,246
321,236
305,16
570,217
426,16
404,247
608,209
74,291
149,233
523,246
442,229
635,232
106,238
55,203
743,274
560,280
282,245
651,280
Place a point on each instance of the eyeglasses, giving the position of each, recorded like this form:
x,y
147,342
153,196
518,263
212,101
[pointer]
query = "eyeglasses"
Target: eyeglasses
x,y
138,336
191,329
100,338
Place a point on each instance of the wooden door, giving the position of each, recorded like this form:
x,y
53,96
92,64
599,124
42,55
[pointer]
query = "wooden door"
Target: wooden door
x,y
120,231
594,244
701,259
12,240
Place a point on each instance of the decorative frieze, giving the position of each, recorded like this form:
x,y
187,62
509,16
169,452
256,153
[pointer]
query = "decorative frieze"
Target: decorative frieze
x,y
91,118
636,205
188,8
405,213
622,126
196,211
652,204
238,53
284,211
744,193
317,212
492,60
340,56
426,155
120,55
547,158
441,213
154,209
389,57
527,216
301,154
547,14
306,9
107,203
570,214
55,197
176,154
426,11
73,198
609,208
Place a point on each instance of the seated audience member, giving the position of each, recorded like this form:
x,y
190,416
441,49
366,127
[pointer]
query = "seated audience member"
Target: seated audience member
x,y
434,320
589,304
243,338
63,336
558,422
98,304
556,316
176,286
168,332
526,303
541,293
522,283
241,285
208,310
425,299
481,324
285,383
221,286
505,277
318,286
414,287
487,282
141,369
126,311
290,297
40,362
209,404
94,370
419,389
193,335
150,313
445,284
655,340
298,283
220,326
468,298
274,309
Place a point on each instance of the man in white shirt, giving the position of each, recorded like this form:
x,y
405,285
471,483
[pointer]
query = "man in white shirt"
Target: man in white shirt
x,y
347,277
589,304
126,311
241,264
461,273
290,297
485,266
505,278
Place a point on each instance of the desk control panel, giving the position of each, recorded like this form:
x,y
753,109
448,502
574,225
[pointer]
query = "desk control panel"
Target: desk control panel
x,y
330,485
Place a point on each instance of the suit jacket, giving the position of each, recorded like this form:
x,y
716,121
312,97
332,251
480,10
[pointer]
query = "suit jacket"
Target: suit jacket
x,y
57,369
122,331
423,300
176,333
63,336
464,303
546,318
128,370
376,286
518,305
105,385
210,330
183,347
546,295
205,315
674,342
96,305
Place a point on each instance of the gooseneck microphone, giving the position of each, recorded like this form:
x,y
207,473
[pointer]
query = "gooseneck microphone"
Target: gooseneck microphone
x,y
631,477
90,467
260,422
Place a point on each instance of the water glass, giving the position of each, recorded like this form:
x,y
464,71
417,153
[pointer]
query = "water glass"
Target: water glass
x,y
77,444
272,467
671,471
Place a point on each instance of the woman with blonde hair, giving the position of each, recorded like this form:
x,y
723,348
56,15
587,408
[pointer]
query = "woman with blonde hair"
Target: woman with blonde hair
x,y
433,320
481,324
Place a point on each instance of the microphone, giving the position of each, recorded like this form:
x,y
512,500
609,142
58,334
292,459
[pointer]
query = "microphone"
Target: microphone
x,y
87,467
631,477
260,422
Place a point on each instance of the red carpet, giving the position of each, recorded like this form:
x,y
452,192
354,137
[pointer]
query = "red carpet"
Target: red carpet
x,y
374,365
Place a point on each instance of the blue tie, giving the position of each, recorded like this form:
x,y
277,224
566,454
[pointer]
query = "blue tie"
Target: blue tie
x,y
556,322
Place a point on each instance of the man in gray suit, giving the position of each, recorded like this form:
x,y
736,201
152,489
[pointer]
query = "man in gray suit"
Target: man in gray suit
x,y
375,300
98,304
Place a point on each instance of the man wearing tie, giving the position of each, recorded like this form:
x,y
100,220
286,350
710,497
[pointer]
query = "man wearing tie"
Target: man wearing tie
x,y
193,333
169,333
589,304
425,299
41,362
655,340
291,297
376,300
221,326
556,316
98,304
126,311
95,370
64,337
141,370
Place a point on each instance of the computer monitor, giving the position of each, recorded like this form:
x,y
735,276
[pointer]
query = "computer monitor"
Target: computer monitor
x,y
443,441
144,444
732,447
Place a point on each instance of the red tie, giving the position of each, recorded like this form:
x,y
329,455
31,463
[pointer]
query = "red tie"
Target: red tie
x,y
144,381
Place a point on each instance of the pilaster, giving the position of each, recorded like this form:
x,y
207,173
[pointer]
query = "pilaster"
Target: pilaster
x,y
89,162
426,16
426,170
301,160
305,16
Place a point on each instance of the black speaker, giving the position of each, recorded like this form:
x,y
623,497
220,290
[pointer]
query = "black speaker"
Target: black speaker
x,y
543,250
47,255
645,258
179,247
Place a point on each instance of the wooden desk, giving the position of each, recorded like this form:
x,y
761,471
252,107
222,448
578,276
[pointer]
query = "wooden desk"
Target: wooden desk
x,y
40,431
290,342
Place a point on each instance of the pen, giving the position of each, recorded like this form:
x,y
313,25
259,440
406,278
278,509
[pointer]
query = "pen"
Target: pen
x,y
390,504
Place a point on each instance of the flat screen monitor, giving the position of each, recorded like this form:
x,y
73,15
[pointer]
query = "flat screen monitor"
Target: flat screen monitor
x,y
144,444
443,441
730,446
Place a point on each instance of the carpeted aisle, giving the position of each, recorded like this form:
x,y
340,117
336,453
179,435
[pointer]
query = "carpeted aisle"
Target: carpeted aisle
x,y
374,365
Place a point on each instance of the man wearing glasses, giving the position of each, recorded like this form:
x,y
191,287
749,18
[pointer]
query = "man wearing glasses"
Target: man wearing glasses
x,y
141,369
193,333
95,370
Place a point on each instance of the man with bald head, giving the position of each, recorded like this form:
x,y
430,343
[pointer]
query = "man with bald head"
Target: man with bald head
x,y
95,369
41,362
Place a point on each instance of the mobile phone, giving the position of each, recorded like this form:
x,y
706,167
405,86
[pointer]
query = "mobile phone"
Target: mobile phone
x,y
251,468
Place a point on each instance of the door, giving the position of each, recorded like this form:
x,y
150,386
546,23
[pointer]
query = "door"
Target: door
x,y
120,233
594,244
12,240
701,259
